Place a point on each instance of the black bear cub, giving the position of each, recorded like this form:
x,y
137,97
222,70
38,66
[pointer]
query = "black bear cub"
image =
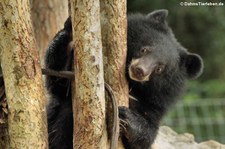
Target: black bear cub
x,y
157,68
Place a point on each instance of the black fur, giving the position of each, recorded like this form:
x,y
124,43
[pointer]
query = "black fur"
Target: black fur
x,y
157,68
156,80
59,109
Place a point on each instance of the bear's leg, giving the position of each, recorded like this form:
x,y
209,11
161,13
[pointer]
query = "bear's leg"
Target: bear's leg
x,y
60,128
59,110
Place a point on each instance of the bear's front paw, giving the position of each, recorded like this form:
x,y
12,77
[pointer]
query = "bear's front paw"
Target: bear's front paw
x,y
135,128
130,123
123,122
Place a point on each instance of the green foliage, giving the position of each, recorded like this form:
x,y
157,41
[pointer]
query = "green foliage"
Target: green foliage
x,y
213,88
204,118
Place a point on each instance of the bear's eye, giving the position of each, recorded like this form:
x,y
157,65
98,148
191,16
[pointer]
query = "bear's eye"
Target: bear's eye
x,y
145,50
159,69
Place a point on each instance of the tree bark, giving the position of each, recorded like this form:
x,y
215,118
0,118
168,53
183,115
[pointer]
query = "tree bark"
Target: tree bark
x,y
48,17
22,77
114,36
89,98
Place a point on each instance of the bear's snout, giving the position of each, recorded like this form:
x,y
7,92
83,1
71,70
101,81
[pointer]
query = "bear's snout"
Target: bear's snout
x,y
138,72
140,69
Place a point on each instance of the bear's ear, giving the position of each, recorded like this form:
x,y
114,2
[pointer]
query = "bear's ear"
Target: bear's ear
x,y
194,65
68,24
158,16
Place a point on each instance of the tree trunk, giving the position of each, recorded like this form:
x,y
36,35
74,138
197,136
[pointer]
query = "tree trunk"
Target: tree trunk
x,y
48,17
114,36
89,98
22,77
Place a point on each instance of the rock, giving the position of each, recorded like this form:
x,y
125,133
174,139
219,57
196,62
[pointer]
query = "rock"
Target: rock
x,y
210,145
169,139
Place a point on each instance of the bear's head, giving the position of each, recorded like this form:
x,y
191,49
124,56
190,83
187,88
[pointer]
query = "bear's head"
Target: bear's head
x,y
154,53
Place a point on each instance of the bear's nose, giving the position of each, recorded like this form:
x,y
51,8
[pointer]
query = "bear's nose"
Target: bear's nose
x,y
138,72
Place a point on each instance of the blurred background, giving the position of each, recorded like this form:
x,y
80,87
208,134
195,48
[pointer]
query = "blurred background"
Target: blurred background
x,y
201,29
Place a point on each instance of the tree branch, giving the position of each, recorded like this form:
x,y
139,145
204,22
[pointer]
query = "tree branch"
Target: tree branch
x,y
62,74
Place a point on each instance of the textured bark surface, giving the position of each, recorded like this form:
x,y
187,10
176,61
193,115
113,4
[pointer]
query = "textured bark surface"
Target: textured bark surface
x,y
114,35
48,17
89,99
22,77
